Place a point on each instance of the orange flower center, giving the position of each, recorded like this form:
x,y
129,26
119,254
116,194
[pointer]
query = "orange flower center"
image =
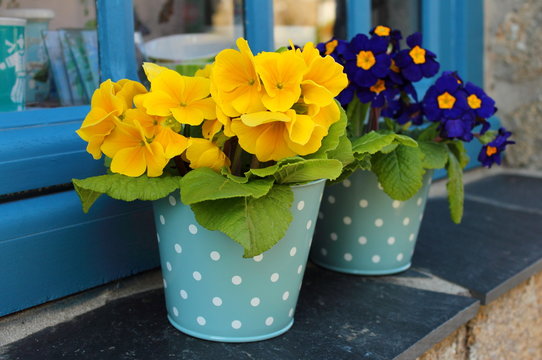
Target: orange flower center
x,y
474,101
446,101
378,87
382,30
394,67
366,60
491,150
331,46
417,54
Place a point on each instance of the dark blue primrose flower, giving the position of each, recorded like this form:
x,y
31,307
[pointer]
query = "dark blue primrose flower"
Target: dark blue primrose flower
x,y
491,152
334,48
482,105
367,60
446,99
378,93
403,112
393,36
416,62
347,94
460,128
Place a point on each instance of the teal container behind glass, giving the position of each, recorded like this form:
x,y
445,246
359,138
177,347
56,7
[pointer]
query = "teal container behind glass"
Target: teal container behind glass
x,y
361,230
213,293
12,70
36,60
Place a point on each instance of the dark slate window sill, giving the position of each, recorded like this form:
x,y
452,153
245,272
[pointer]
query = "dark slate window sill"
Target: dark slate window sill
x,y
342,316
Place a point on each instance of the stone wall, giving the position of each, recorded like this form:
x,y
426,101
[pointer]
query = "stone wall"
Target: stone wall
x,y
508,328
513,74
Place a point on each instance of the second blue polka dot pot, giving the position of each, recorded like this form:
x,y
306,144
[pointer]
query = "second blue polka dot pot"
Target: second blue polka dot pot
x,y
361,230
213,293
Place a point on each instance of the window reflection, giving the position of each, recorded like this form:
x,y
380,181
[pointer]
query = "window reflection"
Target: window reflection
x,y
403,15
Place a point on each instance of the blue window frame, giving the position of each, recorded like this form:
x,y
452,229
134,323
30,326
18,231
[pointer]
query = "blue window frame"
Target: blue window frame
x,y
48,247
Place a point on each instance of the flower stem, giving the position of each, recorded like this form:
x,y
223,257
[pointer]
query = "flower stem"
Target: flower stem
x,y
236,161
374,115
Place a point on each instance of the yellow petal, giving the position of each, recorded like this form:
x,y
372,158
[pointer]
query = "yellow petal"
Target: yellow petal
x,y
152,70
188,115
204,153
129,161
129,89
159,103
267,141
300,128
224,120
210,128
316,94
122,137
155,159
173,143
264,117
312,145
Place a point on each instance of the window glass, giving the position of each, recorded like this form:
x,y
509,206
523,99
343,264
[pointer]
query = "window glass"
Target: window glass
x,y
304,20
403,15
49,58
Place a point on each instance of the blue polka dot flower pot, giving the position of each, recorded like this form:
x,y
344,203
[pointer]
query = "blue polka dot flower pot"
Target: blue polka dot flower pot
x,y
361,230
213,293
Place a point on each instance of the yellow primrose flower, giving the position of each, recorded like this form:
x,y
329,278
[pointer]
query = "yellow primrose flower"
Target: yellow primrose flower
x,y
281,74
183,97
128,90
104,107
324,79
205,72
210,128
236,86
204,153
152,70
132,153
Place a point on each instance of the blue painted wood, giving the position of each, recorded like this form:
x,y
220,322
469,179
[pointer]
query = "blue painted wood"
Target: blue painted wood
x,y
358,17
50,249
259,25
116,39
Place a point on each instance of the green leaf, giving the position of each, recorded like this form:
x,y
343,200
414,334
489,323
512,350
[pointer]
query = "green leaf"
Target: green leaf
x,y
458,149
362,161
389,148
309,170
256,224
204,184
400,172
488,136
331,140
125,188
343,152
406,140
429,133
454,186
435,154
373,141
356,113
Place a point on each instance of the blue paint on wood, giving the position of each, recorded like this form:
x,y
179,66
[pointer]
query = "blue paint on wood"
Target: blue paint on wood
x,y
116,39
51,250
259,25
358,17
40,117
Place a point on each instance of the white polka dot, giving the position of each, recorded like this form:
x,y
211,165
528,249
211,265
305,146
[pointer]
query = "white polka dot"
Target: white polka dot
x,y
258,258
309,224
286,295
379,222
291,312
158,237
363,203
162,220
412,237
193,229
362,240
236,280
183,294
196,275
172,201
175,311
274,277
379,185
406,221
201,320
255,301
395,204
320,215
299,269
347,220
347,183
215,255
217,301
399,256
236,324
269,321
375,259
168,265
323,251
165,283
178,248
293,251
391,240
331,199
300,205
333,236
419,202
348,257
